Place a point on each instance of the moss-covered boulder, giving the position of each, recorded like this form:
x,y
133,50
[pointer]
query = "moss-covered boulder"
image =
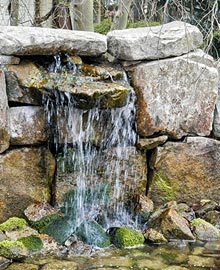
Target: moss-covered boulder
x,y
13,249
204,230
125,237
32,243
93,234
40,215
13,224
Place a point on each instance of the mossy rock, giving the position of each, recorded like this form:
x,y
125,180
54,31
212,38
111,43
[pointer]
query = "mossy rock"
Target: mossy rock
x,y
125,237
92,233
32,243
205,230
44,222
13,224
60,229
13,249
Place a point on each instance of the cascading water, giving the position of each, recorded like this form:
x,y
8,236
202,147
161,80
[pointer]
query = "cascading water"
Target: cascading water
x,y
97,145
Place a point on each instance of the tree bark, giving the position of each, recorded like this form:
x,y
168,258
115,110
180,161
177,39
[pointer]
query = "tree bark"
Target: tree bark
x,y
121,16
13,9
84,16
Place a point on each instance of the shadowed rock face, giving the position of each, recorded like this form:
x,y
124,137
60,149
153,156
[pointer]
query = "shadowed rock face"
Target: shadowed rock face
x,y
187,171
25,178
4,129
149,43
176,96
47,41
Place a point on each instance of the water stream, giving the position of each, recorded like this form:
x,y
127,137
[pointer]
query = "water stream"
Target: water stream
x,y
93,149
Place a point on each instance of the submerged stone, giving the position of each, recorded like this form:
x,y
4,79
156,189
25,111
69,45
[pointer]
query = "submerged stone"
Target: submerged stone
x,y
92,233
60,264
171,39
205,230
125,237
22,266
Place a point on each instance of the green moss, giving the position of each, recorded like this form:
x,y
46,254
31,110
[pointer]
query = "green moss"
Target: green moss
x,y
32,242
163,185
103,27
12,249
198,221
13,224
42,223
125,237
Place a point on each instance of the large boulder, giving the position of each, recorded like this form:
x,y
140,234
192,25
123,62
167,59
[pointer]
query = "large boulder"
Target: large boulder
x,y
27,125
25,177
187,171
176,96
4,129
46,41
171,39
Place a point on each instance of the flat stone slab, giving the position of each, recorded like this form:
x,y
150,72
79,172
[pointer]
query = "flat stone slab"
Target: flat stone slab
x,y
171,39
9,60
15,40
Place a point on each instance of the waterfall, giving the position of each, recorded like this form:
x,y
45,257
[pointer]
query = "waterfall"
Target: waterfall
x,y
94,146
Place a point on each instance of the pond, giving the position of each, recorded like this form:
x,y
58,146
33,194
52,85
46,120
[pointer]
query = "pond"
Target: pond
x,y
177,255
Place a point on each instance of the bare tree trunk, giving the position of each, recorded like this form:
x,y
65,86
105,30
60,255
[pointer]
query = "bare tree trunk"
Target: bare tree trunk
x,y
13,9
37,5
84,16
121,16
61,14
99,13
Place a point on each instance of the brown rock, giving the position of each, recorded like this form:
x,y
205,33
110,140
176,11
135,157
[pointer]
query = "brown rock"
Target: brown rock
x,y
187,171
25,178
154,236
172,225
27,125
151,143
170,100
4,129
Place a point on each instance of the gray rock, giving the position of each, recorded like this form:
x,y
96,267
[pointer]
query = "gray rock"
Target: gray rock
x,y
187,171
213,217
9,60
171,39
26,175
4,129
172,95
27,125
46,41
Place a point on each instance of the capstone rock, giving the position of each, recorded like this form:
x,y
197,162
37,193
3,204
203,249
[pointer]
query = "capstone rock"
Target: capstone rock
x,y
4,128
176,96
25,177
171,39
15,40
187,171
